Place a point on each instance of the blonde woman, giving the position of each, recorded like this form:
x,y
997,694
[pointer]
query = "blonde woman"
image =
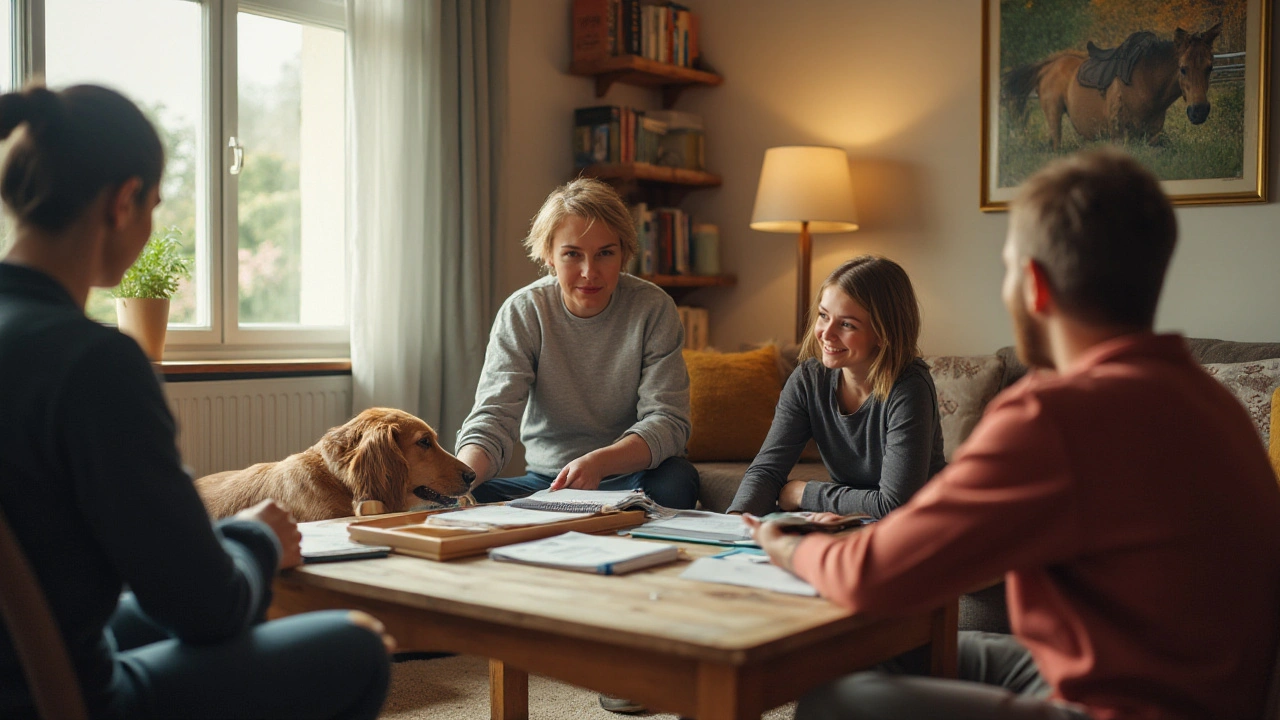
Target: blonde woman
x,y
585,365
863,393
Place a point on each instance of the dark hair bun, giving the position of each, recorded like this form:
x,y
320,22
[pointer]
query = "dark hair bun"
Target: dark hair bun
x,y
37,106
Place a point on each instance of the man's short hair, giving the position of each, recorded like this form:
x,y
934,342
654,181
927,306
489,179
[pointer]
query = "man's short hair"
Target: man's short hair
x,y
1103,230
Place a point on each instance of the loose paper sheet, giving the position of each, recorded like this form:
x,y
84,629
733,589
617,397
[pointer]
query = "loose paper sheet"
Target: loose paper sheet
x,y
747,570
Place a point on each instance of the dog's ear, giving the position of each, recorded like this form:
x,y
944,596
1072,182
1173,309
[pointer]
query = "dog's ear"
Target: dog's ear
x,y
364,454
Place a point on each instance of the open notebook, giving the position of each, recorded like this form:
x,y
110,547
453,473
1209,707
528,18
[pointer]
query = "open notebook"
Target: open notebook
x,y
591,501
588,553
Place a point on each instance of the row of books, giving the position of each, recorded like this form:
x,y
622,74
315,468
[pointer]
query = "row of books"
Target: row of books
x,y
663,234
615,134
663,31
612,134
697,328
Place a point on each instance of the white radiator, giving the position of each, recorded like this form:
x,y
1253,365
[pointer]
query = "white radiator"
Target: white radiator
x,y
232,424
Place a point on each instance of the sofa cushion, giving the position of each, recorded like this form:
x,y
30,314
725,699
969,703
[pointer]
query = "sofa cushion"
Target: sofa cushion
x,y
731,401
719,481
1253,383
965,385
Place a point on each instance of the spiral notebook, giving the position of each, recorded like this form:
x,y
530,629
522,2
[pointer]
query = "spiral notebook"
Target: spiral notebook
x,y
593,501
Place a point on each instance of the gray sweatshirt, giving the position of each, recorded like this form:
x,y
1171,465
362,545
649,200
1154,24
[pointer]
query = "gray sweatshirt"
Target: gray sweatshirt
x,y
581,383
878,456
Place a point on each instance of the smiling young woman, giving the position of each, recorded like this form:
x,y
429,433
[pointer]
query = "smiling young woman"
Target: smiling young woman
x,y
862,393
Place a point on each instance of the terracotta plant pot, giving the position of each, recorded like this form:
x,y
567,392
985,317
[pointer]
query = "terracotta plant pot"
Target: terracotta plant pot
x,y
144,320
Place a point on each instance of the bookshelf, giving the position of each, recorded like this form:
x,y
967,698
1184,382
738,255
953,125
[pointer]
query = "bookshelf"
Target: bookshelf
x,y
643,72
653,46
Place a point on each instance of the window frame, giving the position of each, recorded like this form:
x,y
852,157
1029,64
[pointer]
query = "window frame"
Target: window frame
x,y
218,215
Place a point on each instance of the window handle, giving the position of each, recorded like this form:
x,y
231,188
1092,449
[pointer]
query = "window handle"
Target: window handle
x,y
237,156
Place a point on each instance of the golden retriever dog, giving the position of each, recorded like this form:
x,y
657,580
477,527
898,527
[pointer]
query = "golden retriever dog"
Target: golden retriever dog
x,y
383,455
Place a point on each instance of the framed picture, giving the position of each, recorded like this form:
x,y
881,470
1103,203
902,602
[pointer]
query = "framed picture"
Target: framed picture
x,y
1182,85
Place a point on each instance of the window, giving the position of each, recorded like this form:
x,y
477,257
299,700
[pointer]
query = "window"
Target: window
x,y
249,98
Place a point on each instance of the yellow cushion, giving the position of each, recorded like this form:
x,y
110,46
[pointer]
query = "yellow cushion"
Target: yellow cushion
x,y
1275,431
731,401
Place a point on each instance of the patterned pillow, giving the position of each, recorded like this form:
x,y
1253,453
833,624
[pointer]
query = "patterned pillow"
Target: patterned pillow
x,y
965,386
1253,384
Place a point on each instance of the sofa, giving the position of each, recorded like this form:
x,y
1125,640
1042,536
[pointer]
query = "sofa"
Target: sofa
x,y
732,397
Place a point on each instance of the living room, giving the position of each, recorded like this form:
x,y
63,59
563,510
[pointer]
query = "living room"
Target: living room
x,y
897,84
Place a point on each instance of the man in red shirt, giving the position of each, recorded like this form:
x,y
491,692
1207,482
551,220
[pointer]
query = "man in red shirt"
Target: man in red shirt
x,y
1123,493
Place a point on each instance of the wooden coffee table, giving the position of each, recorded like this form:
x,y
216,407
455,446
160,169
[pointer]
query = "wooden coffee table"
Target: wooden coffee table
x,y
697,649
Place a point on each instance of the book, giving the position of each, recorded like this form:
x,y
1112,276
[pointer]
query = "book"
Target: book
x,y
588,553
590,30
591,501
802,523
597,135
326,541
697,526
695,321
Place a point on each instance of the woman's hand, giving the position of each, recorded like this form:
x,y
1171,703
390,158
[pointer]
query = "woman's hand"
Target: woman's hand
x,y
281,522
792,494
585,473
769,536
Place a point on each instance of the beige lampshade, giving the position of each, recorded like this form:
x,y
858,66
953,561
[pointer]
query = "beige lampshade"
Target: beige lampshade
x,y
801,183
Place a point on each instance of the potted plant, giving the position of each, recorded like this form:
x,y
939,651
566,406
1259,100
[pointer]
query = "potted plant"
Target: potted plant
x,y
142,297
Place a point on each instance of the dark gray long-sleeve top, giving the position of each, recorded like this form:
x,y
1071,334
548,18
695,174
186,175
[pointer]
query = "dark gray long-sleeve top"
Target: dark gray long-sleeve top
x,y
93,488
878,456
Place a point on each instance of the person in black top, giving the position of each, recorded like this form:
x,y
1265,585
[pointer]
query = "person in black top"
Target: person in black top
x,y
90,477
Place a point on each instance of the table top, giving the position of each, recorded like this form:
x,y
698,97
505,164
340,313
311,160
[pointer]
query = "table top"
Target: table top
x,y
651,609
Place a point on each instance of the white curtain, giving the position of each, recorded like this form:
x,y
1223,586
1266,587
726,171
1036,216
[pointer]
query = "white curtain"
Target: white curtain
x,y
426,91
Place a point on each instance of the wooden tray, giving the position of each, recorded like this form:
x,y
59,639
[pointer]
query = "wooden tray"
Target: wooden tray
x,y
406,534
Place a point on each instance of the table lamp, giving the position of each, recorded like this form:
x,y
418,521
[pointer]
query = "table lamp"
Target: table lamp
x,y
804,189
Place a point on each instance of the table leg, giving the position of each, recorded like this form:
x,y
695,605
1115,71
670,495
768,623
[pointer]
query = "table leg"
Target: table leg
x,y
508,692
943,648
723,694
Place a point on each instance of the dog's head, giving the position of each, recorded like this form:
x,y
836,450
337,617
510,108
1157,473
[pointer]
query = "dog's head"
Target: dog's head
x,y
393,457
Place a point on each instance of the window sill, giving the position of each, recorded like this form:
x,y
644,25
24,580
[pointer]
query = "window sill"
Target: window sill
x,y
210,370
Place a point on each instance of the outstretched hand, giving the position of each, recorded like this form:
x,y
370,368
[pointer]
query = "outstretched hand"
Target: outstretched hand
x,y
769,536
280,520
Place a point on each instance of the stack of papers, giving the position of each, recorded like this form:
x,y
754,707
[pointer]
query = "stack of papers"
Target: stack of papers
x,y
588,553
698,527
488,517
591,501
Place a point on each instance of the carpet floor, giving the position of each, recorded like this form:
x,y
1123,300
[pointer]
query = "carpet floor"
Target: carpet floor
x,y
457,688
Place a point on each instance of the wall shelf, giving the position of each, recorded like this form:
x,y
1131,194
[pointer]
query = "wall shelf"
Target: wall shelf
x,y
646,172
677,286
643,72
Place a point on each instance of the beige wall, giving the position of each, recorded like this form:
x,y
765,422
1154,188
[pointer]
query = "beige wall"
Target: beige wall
x,y
896,83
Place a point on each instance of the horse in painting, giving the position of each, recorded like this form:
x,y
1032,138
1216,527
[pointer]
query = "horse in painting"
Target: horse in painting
x,y
1123,109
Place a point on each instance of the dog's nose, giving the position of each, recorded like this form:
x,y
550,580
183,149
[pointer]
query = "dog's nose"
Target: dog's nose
x,y
469,477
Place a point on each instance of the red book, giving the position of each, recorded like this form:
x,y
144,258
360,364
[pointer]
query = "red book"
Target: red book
x,y
590,30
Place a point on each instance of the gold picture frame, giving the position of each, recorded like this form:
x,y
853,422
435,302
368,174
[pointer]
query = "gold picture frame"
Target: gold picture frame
x,y
1221,159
